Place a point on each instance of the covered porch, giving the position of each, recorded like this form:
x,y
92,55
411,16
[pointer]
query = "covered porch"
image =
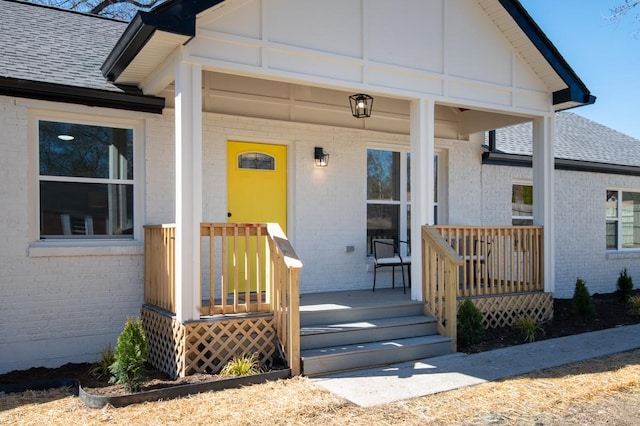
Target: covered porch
x,y
251,303
264,73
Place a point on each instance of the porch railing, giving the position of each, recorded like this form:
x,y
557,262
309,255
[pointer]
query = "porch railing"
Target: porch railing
x,y
246,268
440,281
160,266
497,260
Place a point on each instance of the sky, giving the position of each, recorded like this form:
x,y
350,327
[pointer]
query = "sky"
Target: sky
x,y
604,54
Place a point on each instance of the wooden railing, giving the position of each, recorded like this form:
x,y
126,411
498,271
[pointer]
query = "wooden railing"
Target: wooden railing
x,y
440,266
159,266
252,267
497,260
246,268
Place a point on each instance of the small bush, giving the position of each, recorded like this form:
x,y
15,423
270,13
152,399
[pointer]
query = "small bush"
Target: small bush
x,y
583,308
625,286
634,304
244,365
528,328
470,327
101,368
129,356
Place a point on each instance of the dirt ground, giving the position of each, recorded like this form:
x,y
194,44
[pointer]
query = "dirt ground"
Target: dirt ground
x,y
610,312
602,391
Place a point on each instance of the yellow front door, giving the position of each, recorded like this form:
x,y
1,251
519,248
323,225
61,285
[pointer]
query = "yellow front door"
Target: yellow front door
x,y
256,189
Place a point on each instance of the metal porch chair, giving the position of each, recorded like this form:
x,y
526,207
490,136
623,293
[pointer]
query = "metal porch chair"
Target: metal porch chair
x,y
386,253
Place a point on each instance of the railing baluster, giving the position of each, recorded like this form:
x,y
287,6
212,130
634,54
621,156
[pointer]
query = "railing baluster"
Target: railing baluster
x,y
212,270
224,265
497,259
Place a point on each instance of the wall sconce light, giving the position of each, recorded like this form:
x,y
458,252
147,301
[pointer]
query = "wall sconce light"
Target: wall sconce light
x,y
361,105
321,157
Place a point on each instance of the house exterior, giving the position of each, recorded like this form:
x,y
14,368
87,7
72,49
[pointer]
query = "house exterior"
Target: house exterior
x,y
597,178
156,108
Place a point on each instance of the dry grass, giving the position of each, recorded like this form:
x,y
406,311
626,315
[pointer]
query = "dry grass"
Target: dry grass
x,y
604,390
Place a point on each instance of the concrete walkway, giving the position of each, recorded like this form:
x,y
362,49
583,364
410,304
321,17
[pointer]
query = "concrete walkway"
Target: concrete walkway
x,y
423,377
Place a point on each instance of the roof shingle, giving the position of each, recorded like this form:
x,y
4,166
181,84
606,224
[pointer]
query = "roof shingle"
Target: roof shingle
x,y
34,46
576,138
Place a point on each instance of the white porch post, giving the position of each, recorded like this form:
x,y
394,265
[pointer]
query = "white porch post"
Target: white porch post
x,y
543,192
422,196
188,134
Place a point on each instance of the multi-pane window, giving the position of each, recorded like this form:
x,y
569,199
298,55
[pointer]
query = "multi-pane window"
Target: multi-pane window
x,y
389,196
85,180
384,197
521,205
622,220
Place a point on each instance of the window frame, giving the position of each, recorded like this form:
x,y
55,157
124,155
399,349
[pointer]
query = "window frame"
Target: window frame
x,y
404,202
521,182
37,241
619,220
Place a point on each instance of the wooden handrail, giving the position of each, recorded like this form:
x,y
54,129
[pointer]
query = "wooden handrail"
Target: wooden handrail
x,y
286,303
440,281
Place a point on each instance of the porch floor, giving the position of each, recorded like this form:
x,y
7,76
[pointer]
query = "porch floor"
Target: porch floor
x,y
310,302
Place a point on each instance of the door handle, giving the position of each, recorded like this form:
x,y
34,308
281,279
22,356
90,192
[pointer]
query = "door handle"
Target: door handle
x,y
229,214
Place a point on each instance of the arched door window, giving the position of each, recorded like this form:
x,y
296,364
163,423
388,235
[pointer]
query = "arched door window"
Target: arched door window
x,y
256,161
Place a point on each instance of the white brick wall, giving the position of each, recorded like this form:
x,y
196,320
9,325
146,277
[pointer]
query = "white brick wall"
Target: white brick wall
x,y
579,222
53,310
327,207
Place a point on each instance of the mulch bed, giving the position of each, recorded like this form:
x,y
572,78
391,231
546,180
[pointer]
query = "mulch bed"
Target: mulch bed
x,y
610,312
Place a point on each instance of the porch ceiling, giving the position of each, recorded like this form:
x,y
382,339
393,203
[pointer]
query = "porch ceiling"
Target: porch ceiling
x,y
274,100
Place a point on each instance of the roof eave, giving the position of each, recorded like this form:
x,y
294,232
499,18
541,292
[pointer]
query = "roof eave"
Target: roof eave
x,y
130,100
520,160
173,16
576,93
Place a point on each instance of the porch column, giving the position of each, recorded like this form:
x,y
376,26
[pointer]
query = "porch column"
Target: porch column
x,y
543,192
422,118
188,134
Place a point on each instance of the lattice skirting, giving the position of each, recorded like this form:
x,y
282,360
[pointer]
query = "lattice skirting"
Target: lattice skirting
x,y
206,345
165,339
500,311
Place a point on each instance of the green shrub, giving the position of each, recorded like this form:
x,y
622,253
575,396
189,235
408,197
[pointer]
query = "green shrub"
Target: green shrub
x,y
101,368
244,365
129,356
470,327
528,328
625,286
583,308
634,304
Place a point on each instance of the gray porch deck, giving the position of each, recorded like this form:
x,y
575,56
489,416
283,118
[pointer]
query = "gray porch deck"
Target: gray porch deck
x,y
355,329
310,302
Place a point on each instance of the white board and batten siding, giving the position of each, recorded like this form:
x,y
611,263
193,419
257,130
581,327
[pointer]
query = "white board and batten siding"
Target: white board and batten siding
x,y
451,51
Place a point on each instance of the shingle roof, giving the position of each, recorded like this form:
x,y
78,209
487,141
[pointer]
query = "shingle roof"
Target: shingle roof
x,y
34,46
576,138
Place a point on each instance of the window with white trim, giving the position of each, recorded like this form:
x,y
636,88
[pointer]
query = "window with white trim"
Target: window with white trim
x,y
622,221
521,204
85,181
389,197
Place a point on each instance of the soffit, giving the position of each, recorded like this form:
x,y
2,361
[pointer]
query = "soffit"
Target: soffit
x,y
523,44
159,46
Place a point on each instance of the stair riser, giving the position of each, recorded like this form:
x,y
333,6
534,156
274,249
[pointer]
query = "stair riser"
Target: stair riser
x,y
367,335
335,316
334,363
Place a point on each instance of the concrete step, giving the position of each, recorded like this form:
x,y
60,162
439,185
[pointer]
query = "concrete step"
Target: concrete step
x,y
348,357
336,334
326,315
